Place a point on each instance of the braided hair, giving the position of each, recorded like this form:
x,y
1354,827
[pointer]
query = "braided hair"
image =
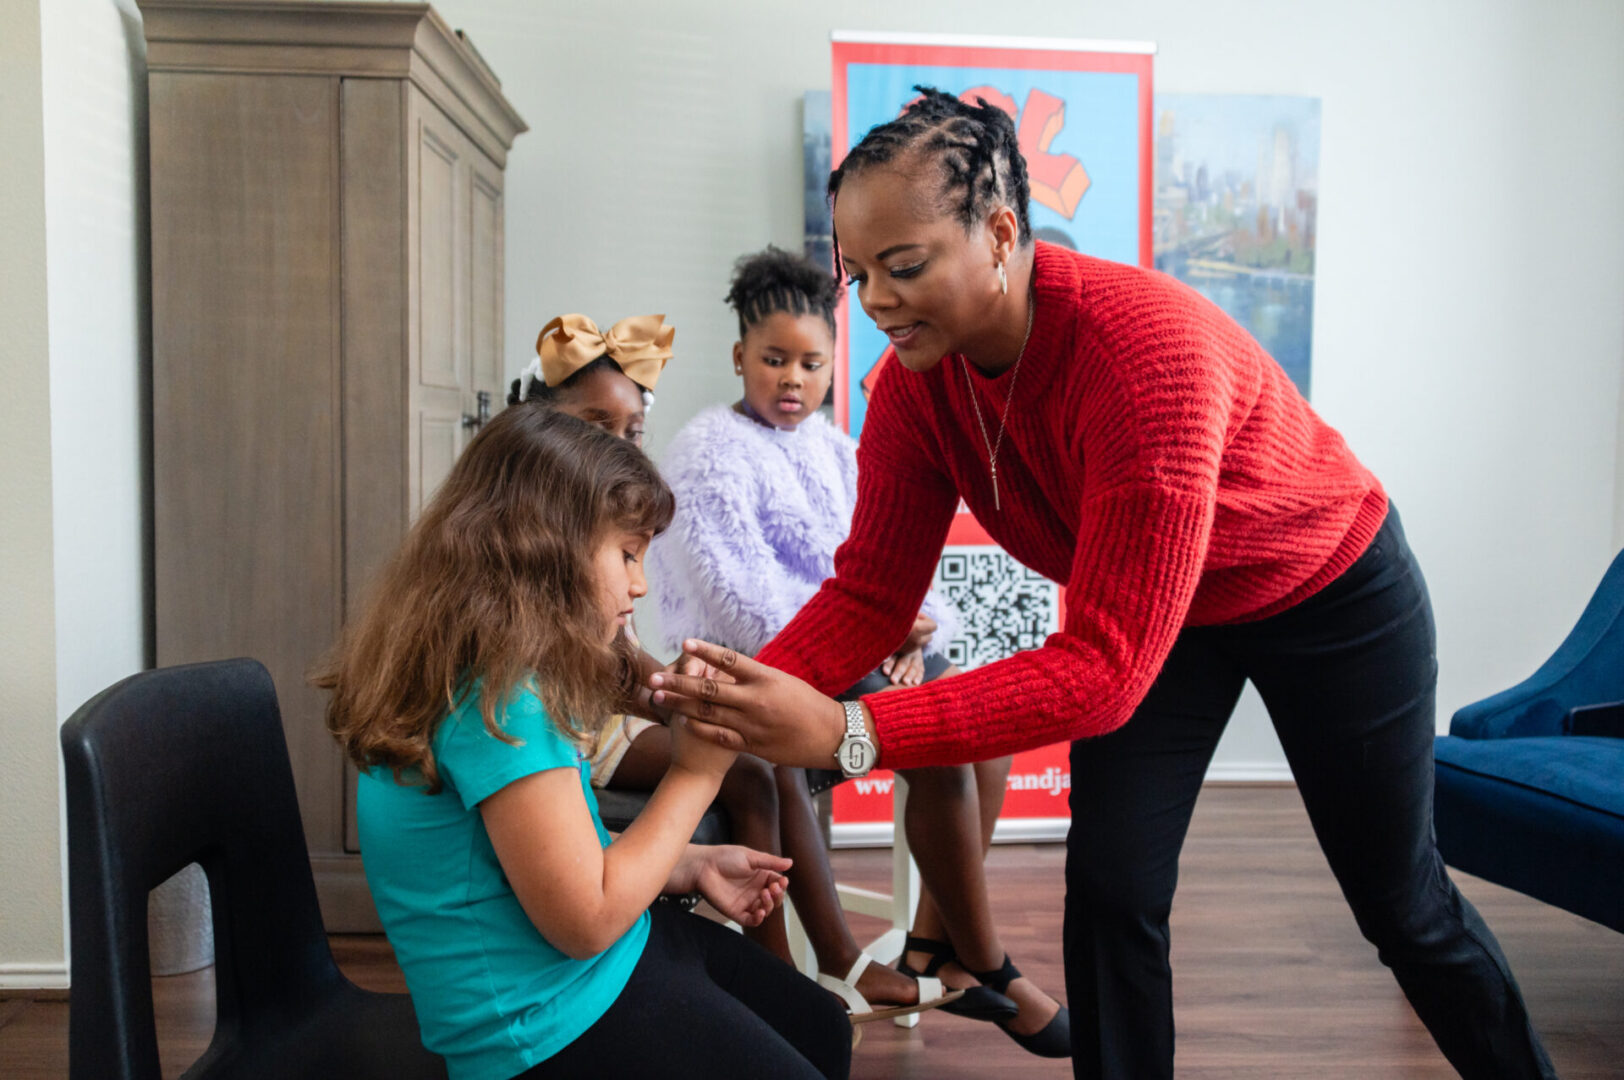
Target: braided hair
x,y
773,280
975,146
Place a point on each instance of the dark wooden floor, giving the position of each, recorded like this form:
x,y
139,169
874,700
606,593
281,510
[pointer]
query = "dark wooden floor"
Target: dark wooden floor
x,y
1272,978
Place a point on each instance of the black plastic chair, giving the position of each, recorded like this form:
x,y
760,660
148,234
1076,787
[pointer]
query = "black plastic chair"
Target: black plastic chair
x,y
189,764
617,810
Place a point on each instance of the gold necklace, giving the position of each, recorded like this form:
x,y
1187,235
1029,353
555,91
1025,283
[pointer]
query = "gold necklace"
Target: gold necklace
x,y
1009,400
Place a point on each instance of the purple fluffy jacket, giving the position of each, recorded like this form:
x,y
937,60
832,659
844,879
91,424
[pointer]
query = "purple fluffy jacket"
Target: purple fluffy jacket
x,y
759,514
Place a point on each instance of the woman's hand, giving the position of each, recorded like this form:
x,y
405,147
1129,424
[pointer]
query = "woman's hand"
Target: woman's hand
x,y
741,883
748,706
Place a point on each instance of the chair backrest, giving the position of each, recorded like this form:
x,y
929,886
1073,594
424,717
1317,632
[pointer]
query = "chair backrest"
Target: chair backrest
x,y
1586,669
169,767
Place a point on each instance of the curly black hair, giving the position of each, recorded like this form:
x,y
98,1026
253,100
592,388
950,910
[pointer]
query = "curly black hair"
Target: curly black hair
x,y
975,145
549,395
774,280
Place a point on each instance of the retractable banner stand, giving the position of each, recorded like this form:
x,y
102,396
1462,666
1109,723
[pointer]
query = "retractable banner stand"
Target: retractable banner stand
x,y
1082,111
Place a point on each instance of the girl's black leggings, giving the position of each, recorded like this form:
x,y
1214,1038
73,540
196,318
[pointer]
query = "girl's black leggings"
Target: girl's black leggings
x,y
704,1003
1348,677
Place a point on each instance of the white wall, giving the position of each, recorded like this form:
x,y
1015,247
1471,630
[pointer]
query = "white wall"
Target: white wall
x,y
98,268
81,395
1468,324
31,925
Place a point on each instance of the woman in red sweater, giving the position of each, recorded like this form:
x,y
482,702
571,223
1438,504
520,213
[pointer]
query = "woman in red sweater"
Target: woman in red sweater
x,y
1121,435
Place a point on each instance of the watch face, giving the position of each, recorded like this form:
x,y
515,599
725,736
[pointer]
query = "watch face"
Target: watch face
x,y
856,755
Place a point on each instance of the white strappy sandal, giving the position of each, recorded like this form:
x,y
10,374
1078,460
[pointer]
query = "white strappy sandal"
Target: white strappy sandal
x,y
931,994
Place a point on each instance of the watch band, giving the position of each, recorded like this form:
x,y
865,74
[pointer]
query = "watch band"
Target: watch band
x,y
855,728
857,753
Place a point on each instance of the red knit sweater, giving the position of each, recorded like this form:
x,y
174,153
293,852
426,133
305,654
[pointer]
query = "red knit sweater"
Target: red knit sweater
x,y
1157,462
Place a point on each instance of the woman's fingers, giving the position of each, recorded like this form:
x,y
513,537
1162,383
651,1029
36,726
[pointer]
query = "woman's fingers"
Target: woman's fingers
x,y
723,659
679,691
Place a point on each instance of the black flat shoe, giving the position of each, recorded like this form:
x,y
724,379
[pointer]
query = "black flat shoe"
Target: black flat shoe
x,y
1053,1040
978,1002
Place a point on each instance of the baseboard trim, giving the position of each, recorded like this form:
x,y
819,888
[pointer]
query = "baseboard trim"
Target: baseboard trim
x,y
861,834
1007,831
33,977
1250,772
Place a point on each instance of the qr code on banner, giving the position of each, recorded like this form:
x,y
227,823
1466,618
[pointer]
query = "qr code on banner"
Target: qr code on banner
x,y
1006,607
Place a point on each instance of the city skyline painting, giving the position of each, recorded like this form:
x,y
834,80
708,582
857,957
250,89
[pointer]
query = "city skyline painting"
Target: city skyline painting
x,y
1236,206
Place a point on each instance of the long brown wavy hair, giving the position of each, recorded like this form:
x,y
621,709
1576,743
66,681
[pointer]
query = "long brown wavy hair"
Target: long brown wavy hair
x,y
494,583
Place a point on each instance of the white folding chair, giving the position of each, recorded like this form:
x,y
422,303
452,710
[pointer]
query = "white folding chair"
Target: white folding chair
x,y
898,905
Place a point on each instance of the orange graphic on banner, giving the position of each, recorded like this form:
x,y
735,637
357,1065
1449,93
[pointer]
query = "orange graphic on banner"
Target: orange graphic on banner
x,y
1059,181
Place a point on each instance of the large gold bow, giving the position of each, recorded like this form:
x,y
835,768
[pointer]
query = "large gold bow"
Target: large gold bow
x,y
640,344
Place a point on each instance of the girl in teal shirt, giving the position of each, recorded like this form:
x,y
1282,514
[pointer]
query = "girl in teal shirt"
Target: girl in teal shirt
x,y
491,648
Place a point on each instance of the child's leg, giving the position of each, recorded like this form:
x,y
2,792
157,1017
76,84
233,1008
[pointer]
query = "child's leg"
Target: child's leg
x,y
949,819
991,778
643,764
809,1018
748,794
704,1003
812,888
948,832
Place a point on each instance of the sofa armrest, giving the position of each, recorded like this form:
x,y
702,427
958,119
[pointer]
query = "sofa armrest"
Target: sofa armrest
x,y
1527,710
1606,720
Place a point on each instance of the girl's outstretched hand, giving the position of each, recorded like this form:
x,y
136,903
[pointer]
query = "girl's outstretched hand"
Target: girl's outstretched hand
x,y
695,753
744,705
741,883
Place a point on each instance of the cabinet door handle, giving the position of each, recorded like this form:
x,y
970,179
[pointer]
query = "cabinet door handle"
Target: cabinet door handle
x,y
482,401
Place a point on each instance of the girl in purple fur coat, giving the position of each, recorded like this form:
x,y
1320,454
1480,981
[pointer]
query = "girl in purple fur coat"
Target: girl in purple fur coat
x,y
765,491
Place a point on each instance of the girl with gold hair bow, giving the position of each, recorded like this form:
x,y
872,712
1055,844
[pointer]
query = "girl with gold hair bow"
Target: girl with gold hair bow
x,y
606,378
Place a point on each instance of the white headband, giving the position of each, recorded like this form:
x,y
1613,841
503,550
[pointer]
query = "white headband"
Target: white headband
x,y
532,370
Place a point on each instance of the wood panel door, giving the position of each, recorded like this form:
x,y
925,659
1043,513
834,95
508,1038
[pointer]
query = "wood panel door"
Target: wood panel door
x,y
485,281
455,241
439,259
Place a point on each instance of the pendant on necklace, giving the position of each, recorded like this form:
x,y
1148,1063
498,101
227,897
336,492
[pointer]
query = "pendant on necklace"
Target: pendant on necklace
x,y
996,505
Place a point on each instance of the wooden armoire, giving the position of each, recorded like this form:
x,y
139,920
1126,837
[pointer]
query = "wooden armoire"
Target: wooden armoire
x,y
327,275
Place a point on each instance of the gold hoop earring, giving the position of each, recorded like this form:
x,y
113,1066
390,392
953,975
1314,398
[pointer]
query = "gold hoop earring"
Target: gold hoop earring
x,y
1003,280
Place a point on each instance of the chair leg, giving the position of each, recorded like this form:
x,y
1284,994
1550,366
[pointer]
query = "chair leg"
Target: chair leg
x,y
904,883
800,946
899,905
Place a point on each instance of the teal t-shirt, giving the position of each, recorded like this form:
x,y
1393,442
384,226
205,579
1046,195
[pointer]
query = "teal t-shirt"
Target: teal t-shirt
x,y
492,996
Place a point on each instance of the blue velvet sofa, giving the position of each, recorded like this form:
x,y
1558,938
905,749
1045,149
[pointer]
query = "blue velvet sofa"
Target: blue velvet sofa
x,y
1530,782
